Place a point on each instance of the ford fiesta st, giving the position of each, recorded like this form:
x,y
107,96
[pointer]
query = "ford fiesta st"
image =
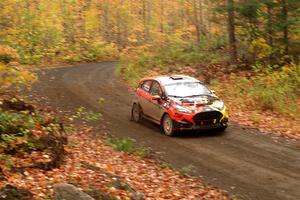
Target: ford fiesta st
x,y
178,103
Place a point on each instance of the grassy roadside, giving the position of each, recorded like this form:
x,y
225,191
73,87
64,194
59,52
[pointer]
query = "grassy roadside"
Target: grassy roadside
x,y
269,102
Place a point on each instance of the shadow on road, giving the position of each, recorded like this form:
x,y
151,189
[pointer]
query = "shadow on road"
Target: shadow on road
x,y
183,134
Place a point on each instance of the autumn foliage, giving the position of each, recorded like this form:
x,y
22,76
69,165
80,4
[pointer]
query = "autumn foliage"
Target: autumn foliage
x,y
8,54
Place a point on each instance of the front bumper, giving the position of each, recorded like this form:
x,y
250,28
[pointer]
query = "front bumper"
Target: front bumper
x,y
185,125
210,121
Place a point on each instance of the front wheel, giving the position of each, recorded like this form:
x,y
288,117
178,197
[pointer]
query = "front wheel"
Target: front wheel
x,y
222,128
168,126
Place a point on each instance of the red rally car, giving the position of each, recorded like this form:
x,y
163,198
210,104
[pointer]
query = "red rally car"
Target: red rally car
x,y
178,103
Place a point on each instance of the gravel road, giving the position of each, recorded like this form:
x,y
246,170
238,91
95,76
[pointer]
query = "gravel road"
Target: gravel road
x,y
241,161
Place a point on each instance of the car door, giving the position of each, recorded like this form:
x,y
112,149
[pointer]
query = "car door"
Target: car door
x,y
144,96
155,106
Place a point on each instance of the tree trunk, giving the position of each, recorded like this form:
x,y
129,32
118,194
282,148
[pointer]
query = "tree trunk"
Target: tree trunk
x,y
285,26
182,13
104,21
162,13
231,32
208,15
201,20
119,32
146,18
270,29
196,20
270,25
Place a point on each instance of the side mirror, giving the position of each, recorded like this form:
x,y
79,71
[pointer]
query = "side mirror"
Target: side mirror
x,y
156,98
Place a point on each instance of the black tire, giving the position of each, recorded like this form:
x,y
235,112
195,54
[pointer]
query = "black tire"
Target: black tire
x,y
136,113
167,126
222,128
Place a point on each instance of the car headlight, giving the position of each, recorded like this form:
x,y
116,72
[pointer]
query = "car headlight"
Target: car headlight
x,y
182,109
218,105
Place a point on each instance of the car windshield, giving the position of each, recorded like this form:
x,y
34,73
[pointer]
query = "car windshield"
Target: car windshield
x,y
186,89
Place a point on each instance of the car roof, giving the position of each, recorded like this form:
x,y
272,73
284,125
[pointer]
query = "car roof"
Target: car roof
x,y
165,80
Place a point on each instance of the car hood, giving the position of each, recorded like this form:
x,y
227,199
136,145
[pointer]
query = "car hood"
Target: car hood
x,y
196,104
194,101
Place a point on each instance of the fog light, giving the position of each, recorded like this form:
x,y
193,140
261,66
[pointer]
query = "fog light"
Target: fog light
x,y
225,121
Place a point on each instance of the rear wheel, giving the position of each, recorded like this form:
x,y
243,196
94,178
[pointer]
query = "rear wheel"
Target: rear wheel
x,y
168,126
136,113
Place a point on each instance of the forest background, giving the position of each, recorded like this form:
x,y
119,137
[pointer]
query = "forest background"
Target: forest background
x,y
248,50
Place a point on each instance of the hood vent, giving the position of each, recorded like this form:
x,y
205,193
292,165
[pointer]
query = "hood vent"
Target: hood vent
x,y
176,77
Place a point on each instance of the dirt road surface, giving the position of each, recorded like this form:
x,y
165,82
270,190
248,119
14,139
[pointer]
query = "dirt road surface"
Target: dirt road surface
x,y
243,162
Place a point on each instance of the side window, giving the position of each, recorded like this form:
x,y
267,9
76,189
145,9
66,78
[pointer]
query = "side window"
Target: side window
x,y
146,86
155,89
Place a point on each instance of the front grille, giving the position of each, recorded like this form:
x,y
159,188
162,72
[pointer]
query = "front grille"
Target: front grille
x,y
207,117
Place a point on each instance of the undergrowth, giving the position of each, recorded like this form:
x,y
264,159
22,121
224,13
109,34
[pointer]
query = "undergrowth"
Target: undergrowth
x,y
87,115
24,131
170,54
127,145
15,129
276,90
